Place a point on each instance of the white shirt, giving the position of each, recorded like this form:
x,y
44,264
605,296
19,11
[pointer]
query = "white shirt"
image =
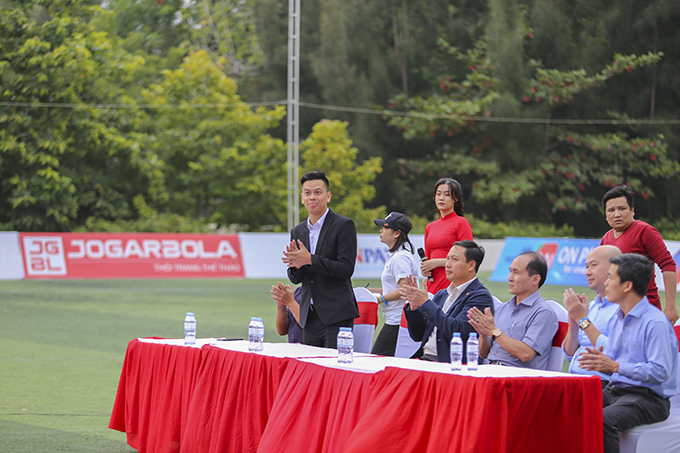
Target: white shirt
x,y
315,231
430,347
400,264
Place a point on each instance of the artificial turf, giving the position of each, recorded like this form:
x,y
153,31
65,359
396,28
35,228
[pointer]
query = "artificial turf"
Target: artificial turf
x,y
62,344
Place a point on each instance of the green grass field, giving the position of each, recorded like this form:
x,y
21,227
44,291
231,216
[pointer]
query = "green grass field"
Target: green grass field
x,y
62,344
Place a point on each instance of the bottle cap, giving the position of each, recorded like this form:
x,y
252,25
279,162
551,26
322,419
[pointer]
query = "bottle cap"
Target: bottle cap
x,y
456,334
473,334
190,313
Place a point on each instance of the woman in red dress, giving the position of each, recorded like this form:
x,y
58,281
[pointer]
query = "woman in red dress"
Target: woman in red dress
x,y
441,234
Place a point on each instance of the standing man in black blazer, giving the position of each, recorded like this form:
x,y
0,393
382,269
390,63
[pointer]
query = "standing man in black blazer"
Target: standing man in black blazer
x,y
433,322
321,255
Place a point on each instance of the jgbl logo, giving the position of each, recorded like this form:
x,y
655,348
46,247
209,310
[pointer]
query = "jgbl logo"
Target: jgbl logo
x,y
44,255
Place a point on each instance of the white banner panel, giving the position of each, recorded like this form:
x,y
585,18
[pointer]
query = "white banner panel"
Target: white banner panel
x,y
262,254
11,263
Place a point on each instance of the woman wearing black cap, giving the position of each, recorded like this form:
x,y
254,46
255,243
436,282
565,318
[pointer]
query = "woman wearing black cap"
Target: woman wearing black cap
x,y
401,262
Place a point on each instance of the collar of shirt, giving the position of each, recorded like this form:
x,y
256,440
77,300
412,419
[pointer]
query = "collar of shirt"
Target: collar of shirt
x,y
636,311
319,223
528,301
454,293
449,216
602,302
315,231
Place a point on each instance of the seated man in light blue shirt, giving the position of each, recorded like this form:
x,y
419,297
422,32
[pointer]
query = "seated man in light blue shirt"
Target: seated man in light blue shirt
x,y
522,332
588,321
641,354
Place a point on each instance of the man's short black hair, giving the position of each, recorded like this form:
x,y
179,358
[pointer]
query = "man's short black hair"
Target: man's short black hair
x,y
537,265
617,192
312,175
473,252
636,269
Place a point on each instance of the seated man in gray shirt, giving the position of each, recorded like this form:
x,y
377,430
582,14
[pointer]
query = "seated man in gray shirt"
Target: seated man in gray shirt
x,y
522,332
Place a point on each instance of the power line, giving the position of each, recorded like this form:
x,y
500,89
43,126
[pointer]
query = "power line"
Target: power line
x,y
137,106
488,119
368,111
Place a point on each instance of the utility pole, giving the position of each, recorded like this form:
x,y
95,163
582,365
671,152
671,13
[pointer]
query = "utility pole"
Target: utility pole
x,y
293,112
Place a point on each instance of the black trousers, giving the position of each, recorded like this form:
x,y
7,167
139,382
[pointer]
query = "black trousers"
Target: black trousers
x,y
319,334
628,407
386,342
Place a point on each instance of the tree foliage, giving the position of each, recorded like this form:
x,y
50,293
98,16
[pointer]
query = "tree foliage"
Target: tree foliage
x,y
153,132
329,149
59,166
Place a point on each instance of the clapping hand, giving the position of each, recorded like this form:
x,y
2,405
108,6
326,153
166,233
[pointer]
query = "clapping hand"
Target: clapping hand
x,y
296,255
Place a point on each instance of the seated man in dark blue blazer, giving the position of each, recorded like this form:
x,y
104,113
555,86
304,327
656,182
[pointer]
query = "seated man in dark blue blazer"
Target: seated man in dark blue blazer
x,y
433,321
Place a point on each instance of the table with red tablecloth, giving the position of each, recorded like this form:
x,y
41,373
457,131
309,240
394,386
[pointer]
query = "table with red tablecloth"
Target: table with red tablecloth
x,y
298,398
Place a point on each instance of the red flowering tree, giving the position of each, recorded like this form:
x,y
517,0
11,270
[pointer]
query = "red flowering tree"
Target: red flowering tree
x,y
559,163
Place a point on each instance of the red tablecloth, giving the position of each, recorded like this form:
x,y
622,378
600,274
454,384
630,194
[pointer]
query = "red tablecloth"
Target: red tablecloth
x,y
154,391
211,400
413,411
234,394
316,409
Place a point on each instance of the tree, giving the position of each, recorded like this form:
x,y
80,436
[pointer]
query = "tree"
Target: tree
x,y
60,165
226,30
329,149
530,171
221,165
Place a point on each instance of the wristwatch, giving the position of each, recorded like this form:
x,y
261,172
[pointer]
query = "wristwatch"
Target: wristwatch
x,y
584,323
496,333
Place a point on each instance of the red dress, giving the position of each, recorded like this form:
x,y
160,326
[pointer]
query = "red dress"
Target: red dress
x,y
643,239
439,238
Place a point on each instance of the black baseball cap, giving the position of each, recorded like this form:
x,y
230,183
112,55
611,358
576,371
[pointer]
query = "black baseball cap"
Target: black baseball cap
x,y
395,220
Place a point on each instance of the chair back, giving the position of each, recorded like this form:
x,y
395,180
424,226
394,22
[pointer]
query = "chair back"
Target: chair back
x,y
556,360
657,437
364,325
675,399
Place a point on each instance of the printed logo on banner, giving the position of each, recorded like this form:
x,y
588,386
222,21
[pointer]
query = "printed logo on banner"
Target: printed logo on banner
x,y
44,255
371,256
549,251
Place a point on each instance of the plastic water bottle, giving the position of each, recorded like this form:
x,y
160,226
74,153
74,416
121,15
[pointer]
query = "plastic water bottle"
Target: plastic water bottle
x,y
259,335
255,334
456,352
472,351
345,345
190,329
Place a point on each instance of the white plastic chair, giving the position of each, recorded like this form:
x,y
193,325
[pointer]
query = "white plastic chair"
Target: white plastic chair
x,y
657,437
364,325
556,360
406,347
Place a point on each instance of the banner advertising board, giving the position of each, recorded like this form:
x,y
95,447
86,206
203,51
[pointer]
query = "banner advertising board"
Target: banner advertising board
x,y
372,255
566,258
11,267
131,255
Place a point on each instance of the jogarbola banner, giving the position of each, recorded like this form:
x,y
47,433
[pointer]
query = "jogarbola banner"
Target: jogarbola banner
x,y
131,255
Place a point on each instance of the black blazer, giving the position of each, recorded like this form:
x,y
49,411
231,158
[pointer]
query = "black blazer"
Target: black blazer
x,y
328,280
422,322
